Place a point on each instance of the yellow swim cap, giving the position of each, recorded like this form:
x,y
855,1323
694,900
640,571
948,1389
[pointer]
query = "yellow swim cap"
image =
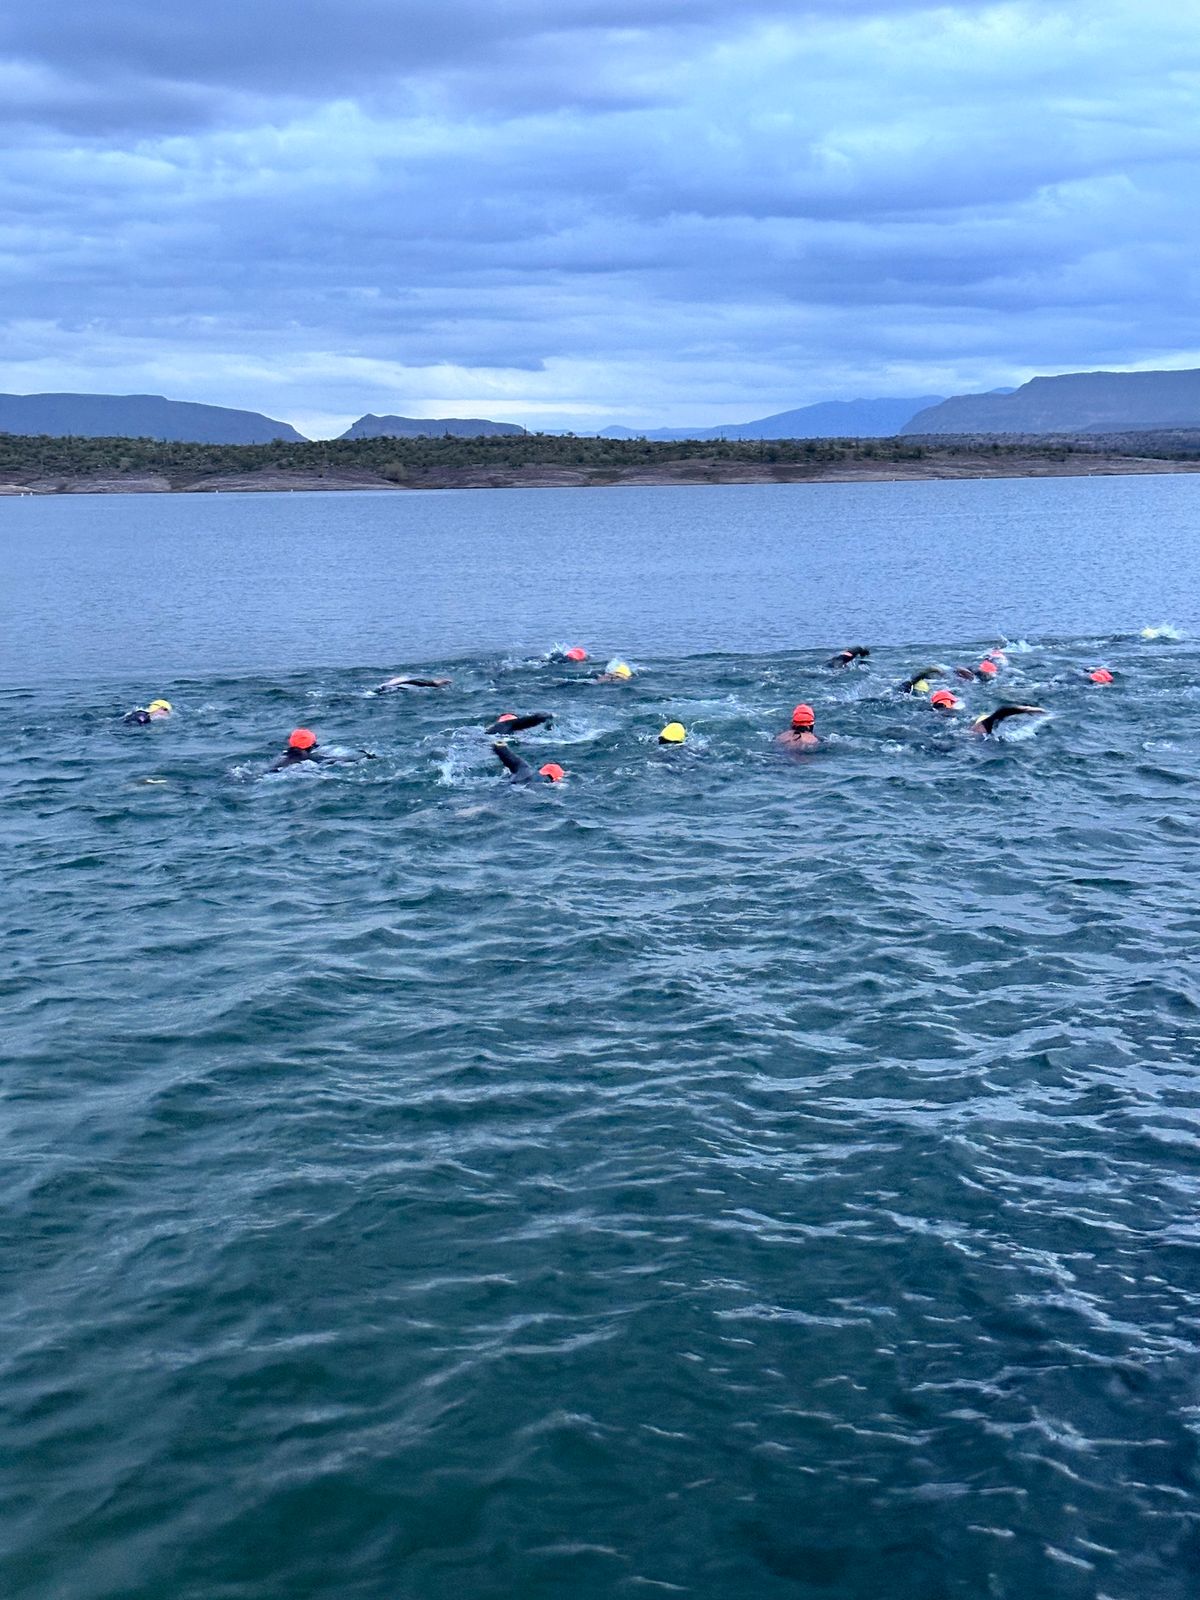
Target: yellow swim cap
x,y
673,733
622,671
921,686
159,705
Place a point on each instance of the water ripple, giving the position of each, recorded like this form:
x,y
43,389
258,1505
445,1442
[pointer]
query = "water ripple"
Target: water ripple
x,y
723,1176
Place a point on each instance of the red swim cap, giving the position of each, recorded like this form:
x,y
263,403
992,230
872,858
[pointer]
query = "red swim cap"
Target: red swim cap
x,y
301,739
996,655
507,716
552,771
576,654
1101,675
803,717
943,697
988,668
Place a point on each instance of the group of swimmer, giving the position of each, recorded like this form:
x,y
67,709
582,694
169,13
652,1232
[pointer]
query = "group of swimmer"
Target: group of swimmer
x,y
800,737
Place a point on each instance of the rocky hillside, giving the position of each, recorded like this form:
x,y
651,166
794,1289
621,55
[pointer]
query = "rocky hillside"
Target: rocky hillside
x,y
1076,402
372,427
137,416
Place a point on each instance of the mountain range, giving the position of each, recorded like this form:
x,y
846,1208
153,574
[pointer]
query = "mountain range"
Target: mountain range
x,y
1075,402
1072,403
372,427
137,416
830,419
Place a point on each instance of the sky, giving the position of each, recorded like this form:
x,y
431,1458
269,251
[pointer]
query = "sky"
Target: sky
x,y
567,213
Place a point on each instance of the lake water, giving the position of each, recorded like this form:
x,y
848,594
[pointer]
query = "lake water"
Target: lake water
x,y
719,1175
131,585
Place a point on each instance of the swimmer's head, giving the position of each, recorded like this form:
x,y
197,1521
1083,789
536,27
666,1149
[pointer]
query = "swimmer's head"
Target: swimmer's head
x,y
673,733
507,716
1100,675
302,739
160,705
552,771
945,700
987,669
576,653
621,669
803,717
997,656
920,686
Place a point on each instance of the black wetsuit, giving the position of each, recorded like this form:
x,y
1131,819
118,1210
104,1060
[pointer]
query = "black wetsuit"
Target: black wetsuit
x,y
137,719
988,725
536,719
847,658
521,771
292,758
394,686
910,684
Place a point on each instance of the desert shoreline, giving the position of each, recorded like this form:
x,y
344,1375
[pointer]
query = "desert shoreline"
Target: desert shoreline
x,y
693,472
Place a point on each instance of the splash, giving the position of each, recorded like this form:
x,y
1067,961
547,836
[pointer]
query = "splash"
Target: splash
x,y
1160,630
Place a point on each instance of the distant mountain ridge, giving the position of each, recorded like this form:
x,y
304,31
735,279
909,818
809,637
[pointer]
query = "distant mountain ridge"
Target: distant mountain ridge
x,y
828,419
373,427
137,416
1073,402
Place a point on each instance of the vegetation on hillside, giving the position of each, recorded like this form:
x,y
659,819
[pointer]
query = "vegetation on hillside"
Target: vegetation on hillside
x,y
404,460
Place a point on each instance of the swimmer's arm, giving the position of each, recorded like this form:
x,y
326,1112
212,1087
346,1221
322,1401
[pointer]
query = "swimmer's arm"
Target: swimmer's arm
x,y
989,723
521,770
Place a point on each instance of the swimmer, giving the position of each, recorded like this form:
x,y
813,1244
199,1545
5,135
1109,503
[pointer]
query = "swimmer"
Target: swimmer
x,y
986,726
945,701
509,722
1099,675
156,711
390,685
919,682
618,672
673,733
847,658
800,736
576,653
966,674
522,772
986,669
302,746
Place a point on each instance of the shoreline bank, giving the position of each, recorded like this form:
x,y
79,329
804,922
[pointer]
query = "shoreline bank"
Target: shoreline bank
x,y
684,473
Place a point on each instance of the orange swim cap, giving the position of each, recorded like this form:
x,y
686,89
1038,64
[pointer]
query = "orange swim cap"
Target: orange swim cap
x,y
576,654
507,716
552,771
301,739
803,717
988,668
1101,675
943,697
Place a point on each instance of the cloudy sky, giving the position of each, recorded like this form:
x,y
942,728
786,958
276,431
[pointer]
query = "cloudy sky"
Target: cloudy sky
x,y
564,212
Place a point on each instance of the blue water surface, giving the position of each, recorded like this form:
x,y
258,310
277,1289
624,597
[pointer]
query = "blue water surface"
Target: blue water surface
x,y
137,585
719,1175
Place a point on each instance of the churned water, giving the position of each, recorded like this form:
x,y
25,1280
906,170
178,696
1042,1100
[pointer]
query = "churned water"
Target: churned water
x,y
719,1175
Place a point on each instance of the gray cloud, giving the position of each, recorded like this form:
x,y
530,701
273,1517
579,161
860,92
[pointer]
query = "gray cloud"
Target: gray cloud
x,y
655,210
